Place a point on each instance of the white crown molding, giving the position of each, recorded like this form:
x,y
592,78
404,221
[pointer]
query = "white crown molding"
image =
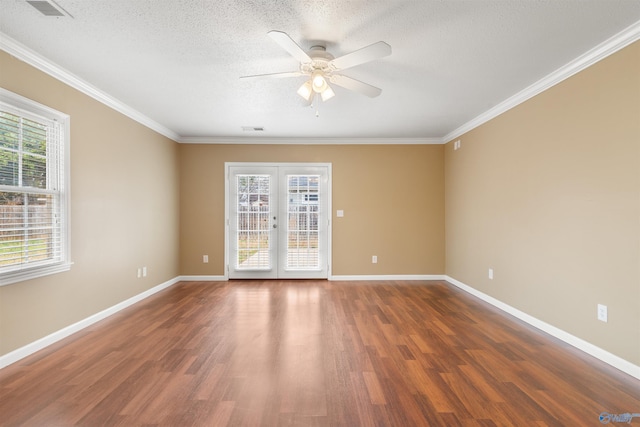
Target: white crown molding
x,y
310,141
597,352
601,51
23,53
604,49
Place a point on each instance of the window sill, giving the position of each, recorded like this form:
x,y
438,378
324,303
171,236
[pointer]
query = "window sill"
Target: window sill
x,y
32,273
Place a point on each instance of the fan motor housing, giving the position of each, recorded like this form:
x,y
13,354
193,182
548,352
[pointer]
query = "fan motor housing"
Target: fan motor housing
x,y
320,59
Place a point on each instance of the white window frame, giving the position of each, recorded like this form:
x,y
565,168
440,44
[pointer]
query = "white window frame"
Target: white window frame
x,y
17,104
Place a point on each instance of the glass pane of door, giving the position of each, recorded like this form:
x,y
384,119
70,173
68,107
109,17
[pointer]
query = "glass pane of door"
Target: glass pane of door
x,y
302,222
253,225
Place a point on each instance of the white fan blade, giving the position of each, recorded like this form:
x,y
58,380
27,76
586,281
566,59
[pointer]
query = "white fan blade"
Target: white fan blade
x,y
289,45
274,75
355,85
360,56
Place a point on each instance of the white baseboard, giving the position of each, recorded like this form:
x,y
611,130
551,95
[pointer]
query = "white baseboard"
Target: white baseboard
x,y
388,277
334,277
603,355
31,348
597,352
203,278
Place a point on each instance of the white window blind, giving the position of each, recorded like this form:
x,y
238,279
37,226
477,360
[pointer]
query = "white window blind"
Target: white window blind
x,y
33,189
253,226
302,224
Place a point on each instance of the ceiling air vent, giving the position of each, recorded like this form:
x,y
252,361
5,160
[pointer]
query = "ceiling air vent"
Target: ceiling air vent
x,y
49,8
252,129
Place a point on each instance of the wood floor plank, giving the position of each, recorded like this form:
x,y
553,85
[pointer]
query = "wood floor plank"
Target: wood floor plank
x,y
312,353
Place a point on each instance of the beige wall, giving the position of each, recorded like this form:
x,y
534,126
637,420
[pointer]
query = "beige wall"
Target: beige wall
x,y
124,213
548,195
392,197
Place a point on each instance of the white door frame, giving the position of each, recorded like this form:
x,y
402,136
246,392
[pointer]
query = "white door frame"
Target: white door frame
x,y
229,165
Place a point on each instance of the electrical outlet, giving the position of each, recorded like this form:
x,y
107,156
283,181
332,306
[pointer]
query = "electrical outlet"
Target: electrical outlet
x,y
144,271
374,259
205,259
602,313
491,273
139,273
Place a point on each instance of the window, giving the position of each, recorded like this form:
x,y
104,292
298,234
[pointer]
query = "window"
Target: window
x,y
34,189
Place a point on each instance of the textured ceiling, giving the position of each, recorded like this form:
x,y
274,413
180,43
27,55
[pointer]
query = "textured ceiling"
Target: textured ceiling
x,y
178,62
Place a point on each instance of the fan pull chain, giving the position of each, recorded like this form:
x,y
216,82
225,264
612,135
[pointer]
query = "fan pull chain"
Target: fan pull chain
x,y
315,102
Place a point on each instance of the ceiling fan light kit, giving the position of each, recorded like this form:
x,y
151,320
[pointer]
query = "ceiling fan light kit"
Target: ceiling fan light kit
x,y
321,68
306,90
327,94
319,83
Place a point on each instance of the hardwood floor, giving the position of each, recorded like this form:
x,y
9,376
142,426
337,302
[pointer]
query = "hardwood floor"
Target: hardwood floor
x,y
312,353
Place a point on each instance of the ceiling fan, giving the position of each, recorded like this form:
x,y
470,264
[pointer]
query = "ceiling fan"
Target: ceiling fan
x,y
322,68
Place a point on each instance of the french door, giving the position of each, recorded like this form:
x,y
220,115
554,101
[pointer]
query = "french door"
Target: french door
x,y
278,221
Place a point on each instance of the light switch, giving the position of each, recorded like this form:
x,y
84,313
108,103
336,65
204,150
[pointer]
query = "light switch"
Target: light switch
x,y
339,213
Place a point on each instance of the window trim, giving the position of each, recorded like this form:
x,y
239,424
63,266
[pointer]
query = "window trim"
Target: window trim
x,y
30,107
